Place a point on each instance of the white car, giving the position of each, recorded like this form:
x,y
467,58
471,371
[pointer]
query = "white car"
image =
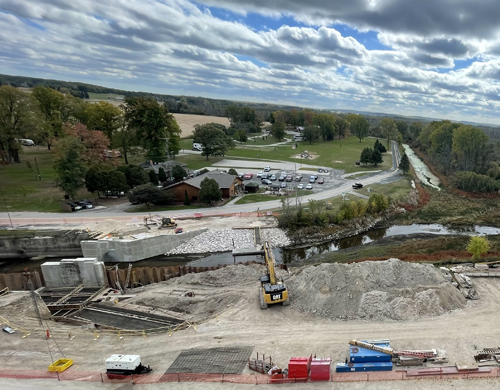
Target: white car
x,y
300,186
309,187
267,169
260,174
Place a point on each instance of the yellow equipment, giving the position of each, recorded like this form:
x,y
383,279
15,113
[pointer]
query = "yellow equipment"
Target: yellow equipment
x,y
271,291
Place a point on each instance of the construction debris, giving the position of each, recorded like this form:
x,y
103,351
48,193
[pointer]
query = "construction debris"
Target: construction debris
x,y
377,291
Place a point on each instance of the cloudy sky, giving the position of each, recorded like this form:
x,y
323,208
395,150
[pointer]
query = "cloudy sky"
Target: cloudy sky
x,y
429,58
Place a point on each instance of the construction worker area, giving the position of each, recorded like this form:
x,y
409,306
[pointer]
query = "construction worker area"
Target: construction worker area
x,y
381,321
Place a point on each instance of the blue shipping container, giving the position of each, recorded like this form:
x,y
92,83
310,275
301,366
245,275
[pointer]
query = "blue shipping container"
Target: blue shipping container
x,y
357,367
363,355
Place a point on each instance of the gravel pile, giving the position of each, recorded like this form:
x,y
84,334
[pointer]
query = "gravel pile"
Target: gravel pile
x,y
225,240
379,291
230,276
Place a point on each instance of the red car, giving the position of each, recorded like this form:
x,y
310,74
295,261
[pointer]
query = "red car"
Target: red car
x,y
321,180
248,176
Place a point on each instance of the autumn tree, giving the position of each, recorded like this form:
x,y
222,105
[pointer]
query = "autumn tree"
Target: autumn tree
x,y
95,144
18,119
478,246
278,130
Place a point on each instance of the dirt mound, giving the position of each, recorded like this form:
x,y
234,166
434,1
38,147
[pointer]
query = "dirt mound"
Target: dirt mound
x,y
377,291
227,276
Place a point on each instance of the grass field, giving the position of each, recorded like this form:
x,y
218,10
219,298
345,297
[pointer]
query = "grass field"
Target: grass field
x,y
255,198
22,189
395,190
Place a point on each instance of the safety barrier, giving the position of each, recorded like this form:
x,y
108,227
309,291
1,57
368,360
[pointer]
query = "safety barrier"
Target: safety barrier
x,y
255,379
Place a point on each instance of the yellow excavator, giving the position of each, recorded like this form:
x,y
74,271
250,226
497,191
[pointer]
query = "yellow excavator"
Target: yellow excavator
x,y
271,291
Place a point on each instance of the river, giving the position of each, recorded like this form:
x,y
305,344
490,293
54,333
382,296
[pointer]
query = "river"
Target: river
x,y
287,255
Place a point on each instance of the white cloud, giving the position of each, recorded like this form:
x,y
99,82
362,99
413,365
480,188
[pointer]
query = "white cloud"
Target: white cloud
x,y
174,46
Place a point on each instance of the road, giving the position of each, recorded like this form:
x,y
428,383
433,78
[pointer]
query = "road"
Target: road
x,y
90,217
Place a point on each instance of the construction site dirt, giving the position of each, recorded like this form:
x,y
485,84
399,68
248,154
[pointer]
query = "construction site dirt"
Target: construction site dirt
x,y
237,321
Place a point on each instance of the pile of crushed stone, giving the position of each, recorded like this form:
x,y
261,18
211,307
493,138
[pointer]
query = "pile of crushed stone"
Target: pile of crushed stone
x,y
373,290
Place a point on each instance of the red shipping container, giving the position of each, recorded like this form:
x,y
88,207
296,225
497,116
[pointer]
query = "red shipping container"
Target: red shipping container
x,y
298,367
320,369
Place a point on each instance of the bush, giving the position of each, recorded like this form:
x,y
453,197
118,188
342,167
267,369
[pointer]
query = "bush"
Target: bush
x,y
153,177
377,203
478,246
134,174
178,172
162,176
150,194
472,182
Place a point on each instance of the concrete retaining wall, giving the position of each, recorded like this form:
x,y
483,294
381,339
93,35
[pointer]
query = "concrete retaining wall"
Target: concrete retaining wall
x,y
73,272
58,244
131,250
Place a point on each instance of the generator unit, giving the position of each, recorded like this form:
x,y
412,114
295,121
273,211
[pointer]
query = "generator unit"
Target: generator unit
x,y
126,365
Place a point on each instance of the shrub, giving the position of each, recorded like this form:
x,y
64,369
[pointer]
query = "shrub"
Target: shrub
x,y
477,246
377,203
473,182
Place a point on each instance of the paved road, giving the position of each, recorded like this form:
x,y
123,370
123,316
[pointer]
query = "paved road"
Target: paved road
x,y
92,217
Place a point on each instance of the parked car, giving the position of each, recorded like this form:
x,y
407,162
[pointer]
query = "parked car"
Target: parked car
x,y
283,185
273,178
74,206
309,186
267,168
298,178
8,329
315,177
86,204
266,182
282,177
248,176
321,180
260,174
357,186
114,193
312,179
300,186
241,175
289,178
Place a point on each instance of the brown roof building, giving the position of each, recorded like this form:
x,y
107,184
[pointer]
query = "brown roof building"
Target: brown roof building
x,y
229,184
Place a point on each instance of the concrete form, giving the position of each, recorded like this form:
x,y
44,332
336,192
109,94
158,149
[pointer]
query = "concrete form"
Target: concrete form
x,y
74,272
135,249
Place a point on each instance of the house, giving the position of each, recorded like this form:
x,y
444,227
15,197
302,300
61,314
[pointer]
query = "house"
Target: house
x,y
252,187
229,184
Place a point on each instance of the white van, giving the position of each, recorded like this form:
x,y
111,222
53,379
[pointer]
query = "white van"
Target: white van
x,y
197,146
297,138
27,142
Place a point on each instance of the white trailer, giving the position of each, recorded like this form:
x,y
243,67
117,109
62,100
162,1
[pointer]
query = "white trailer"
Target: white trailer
x,y
125,365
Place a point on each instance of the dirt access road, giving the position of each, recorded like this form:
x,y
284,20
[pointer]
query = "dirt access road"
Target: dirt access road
x,y
281,332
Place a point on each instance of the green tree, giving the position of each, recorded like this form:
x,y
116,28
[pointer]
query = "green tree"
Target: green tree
x,y
212,139
404,165
92,182
469,145
112,181
359,125
377,157
377,203
186,198
153,177
311,134
366,156
232,171
150,194
402,127
278,130
389,130
162,176
125,137
478,246
51,104
154,126
178,172
210,191
69,166
18,119
327,124
441,145
241,135
134,174
103,116
342,127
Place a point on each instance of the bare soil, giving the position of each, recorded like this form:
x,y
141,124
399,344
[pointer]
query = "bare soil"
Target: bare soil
x,y
187,121
281,332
